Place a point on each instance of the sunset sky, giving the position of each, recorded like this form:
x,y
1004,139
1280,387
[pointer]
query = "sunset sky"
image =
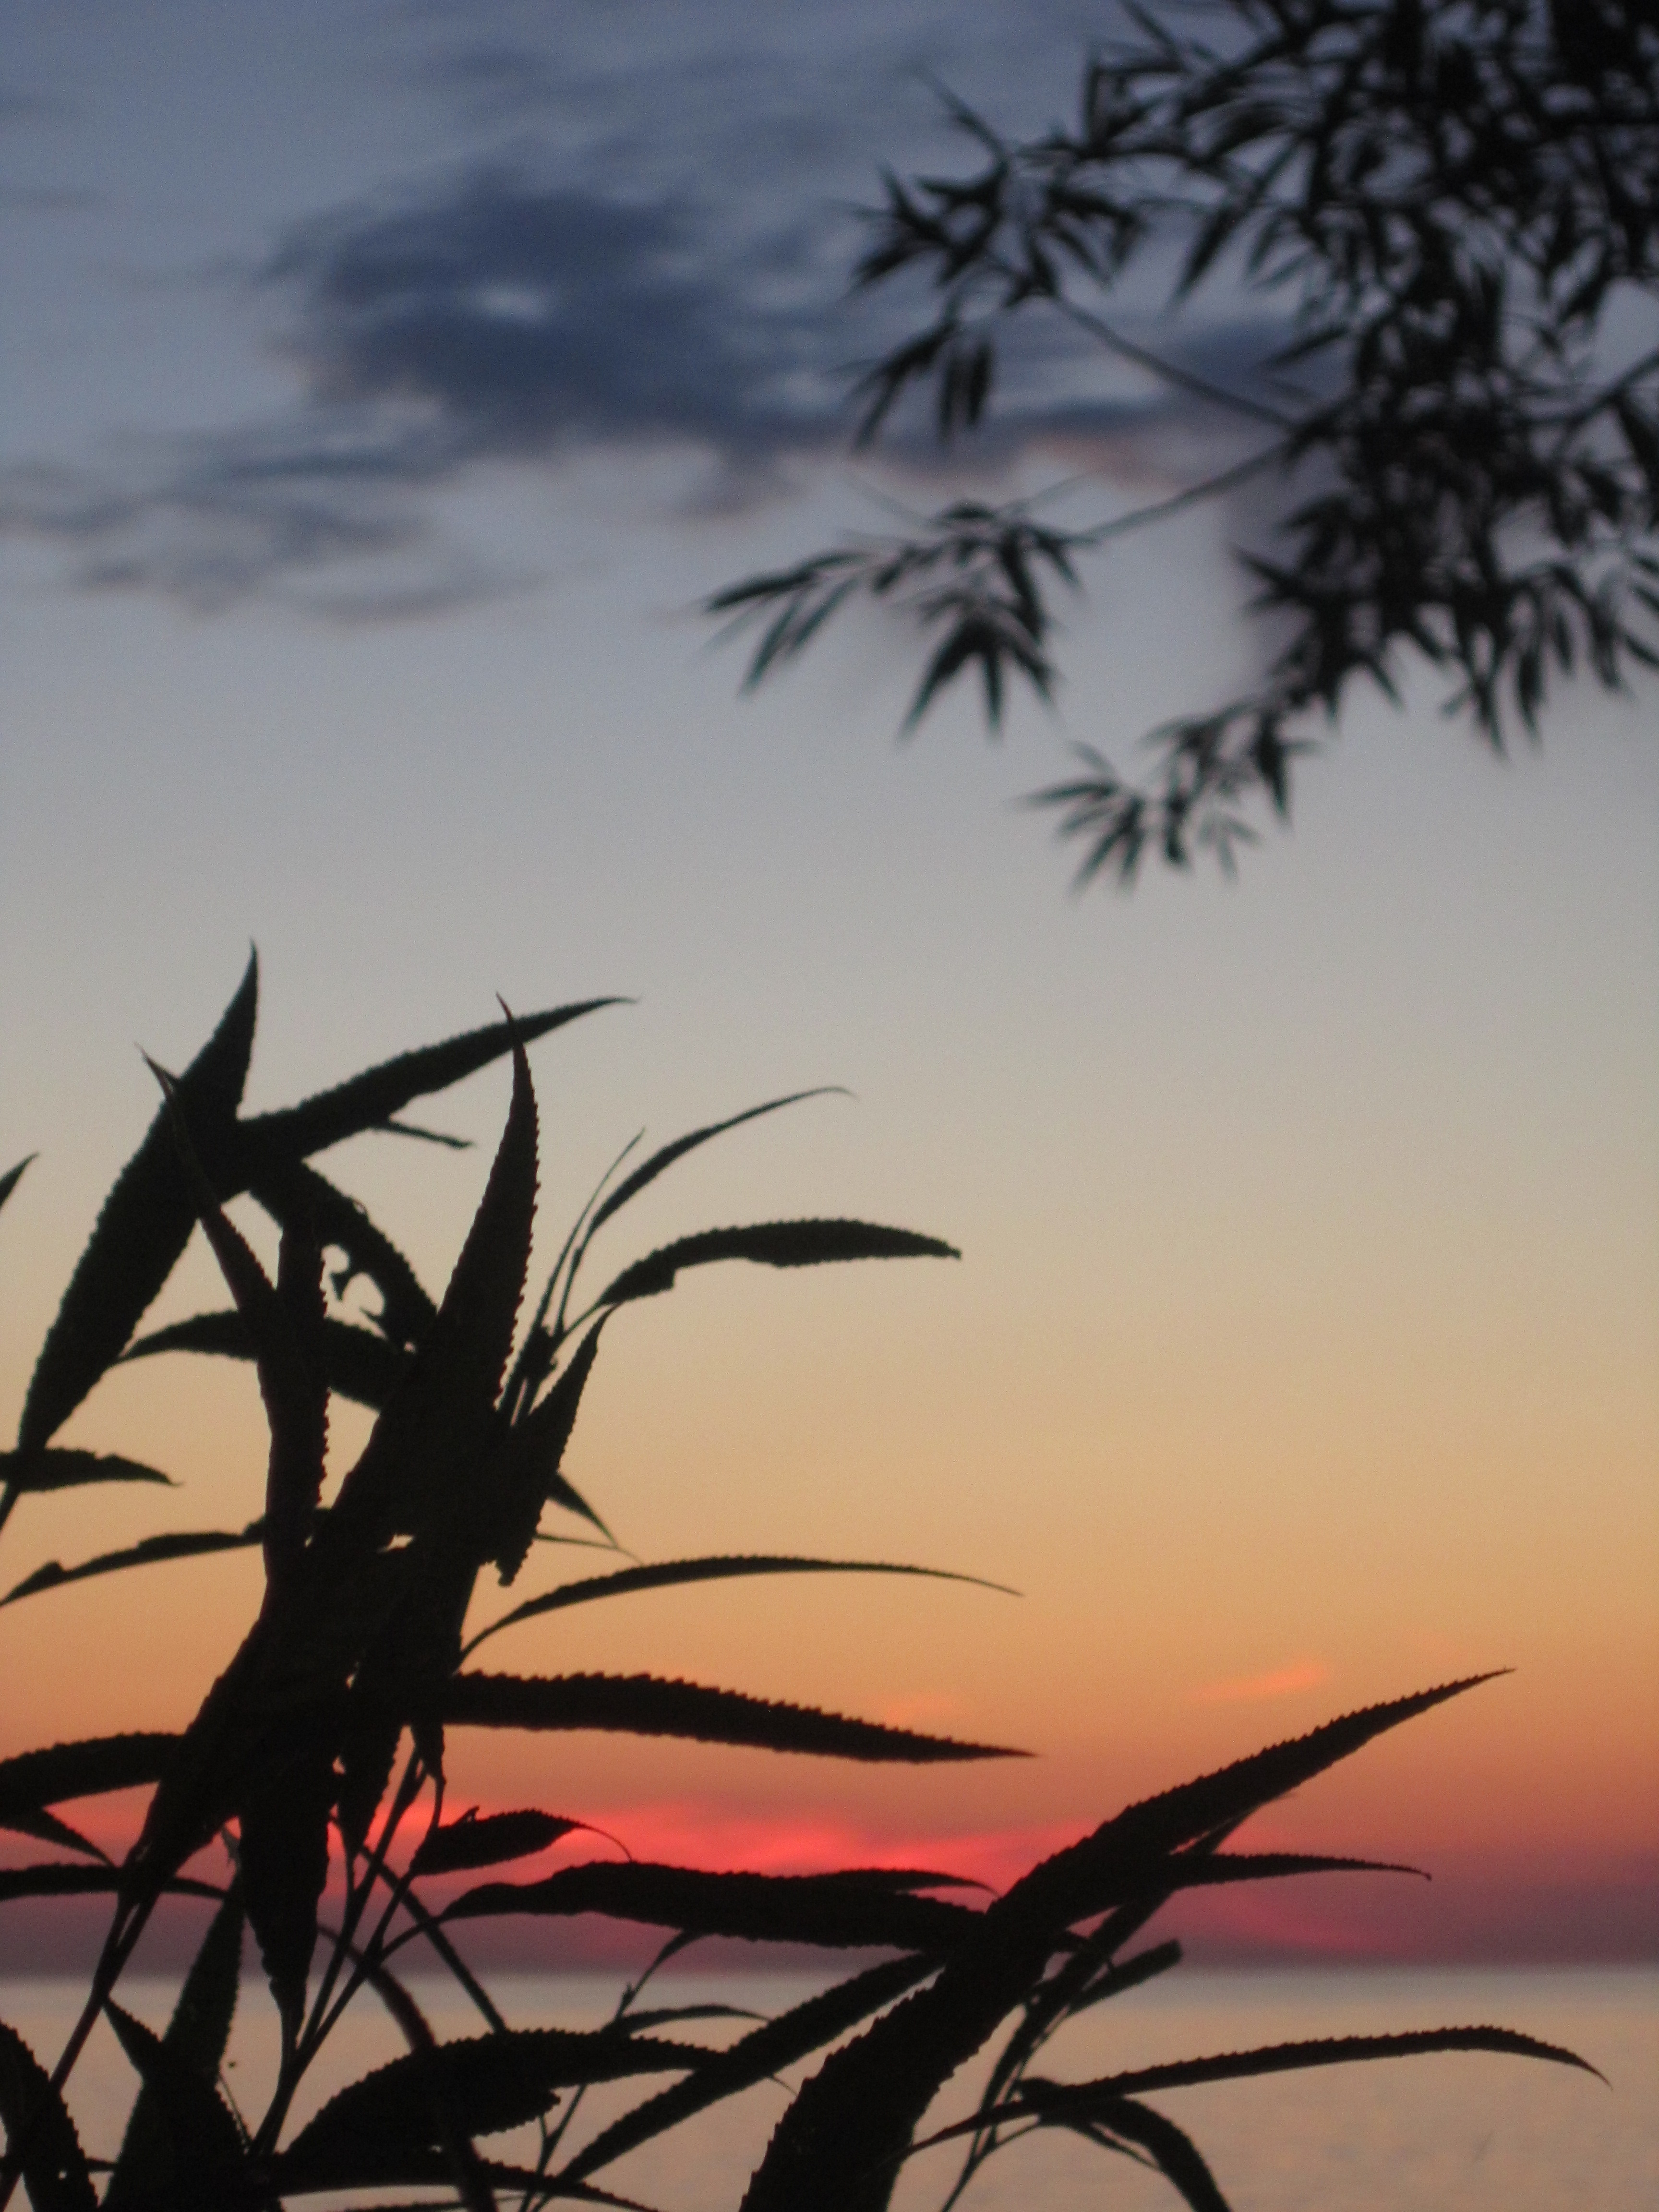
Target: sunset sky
x,y
384,386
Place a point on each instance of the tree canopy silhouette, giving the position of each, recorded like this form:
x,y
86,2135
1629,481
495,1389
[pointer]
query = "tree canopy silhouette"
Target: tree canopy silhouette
x,y
1450,209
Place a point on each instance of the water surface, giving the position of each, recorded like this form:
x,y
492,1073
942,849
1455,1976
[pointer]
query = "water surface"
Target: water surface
x,y
1459,2133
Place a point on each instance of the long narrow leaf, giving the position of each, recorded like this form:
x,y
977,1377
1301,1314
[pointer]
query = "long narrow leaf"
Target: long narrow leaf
x,y
459,1845
649,1170
58,1469
835,2149
87,1769
527,1471
40,2137
13,1176
672,1573
1296,2057
772,1244
794,2035
45,1827
844,1910
196,2040
144,1226
436,1425
641,1705
373,1098
490,2082
148,1552
344,1224
58,1878
200,2161
357,1362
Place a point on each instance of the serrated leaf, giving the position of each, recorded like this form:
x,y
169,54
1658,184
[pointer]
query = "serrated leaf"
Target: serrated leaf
x,y
438,1422
46,1828
487,2083
39,2132
356,1363
773,1245
641,1704
344,1224
200,2164
671,1574
58,1878
282,1815
144,1225
794,2035
277,1322
649,1170
846,1910
475,1841
527,1472
87,1769
373,1098
1296,2057
56,1467
148,1552
196,2038
858,2115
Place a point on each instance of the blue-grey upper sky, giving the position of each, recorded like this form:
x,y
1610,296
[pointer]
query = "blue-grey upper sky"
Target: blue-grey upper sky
x,y
282,276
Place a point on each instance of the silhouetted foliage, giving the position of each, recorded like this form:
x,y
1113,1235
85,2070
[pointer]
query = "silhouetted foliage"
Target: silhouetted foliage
x,y
291,1764
1450,208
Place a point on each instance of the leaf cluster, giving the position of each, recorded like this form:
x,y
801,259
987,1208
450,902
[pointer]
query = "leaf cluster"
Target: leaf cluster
x,y
1448,205
358,1653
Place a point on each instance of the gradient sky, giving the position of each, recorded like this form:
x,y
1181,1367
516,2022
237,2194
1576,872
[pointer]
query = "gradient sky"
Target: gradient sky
x,y
383,386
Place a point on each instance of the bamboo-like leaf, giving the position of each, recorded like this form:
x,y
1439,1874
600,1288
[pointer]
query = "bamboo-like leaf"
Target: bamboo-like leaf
x,y
87,1769
673,1573
357,1362
148,1552
641,1704
56,1467
842,1911
196,2038
40,2136
144,1226
472,1841
773,1245
373,1098
649,1170
199,2159
488,2082
13,1176
794,2035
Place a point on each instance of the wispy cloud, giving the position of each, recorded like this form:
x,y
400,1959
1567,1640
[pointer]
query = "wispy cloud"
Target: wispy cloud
x,y
646,246
1261,1689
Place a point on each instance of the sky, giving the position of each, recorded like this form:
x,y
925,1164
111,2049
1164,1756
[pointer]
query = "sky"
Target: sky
x,y
385,386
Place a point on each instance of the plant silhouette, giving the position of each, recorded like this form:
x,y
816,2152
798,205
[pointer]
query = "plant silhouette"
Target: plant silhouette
x,y
291,1765
1441,218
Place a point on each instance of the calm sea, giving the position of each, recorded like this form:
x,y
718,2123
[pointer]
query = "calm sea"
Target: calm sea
x,y
1449,2134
